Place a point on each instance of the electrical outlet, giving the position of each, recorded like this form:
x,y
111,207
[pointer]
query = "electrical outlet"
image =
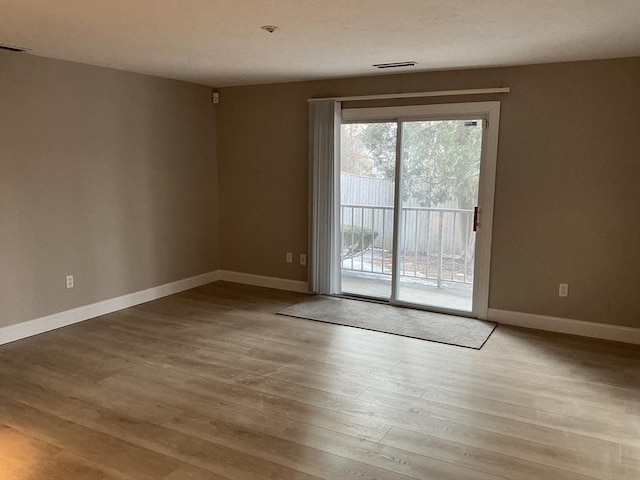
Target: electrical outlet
x,y
563,291
303,259
289,257
69,280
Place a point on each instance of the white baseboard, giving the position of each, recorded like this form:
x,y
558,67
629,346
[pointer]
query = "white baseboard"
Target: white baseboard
x,y
262,281
566,325
68,317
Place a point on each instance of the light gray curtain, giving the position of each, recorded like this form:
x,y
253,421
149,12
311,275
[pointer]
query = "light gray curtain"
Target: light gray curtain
x,y
324,189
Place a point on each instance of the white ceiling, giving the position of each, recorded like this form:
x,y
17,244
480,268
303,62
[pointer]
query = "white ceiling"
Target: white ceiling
x,y
220,43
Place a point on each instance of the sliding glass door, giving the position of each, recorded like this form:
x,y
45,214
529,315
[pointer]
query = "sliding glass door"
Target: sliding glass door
x,y
411,191
367,191
438,194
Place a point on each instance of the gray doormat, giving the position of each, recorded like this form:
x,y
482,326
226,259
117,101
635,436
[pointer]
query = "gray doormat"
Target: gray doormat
x,y
434,327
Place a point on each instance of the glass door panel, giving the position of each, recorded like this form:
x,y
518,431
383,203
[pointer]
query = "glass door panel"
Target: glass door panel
x,y
367,185
438,192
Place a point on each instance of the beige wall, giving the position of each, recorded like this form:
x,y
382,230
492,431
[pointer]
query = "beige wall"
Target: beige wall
x,y
106,175
112,176
567,192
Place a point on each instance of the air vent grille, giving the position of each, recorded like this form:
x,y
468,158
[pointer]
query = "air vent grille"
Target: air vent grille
x,y
394,65
12,48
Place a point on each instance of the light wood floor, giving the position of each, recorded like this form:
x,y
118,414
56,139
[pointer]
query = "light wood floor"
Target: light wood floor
x,y
211,384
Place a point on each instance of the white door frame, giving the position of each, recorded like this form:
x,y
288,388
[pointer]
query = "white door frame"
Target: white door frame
x,y
490,113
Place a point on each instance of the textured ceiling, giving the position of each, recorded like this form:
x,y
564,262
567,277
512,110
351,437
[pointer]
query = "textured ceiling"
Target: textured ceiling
x,y
220,43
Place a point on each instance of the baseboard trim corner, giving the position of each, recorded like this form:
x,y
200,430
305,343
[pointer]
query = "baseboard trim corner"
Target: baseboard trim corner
x,y
29,328
263,281
566,325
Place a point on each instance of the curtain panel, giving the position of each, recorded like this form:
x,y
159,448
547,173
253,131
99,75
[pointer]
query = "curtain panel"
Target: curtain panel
x,y
324,192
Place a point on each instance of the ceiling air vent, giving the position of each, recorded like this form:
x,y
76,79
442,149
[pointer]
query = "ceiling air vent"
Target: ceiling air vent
x,y
12,48
394,65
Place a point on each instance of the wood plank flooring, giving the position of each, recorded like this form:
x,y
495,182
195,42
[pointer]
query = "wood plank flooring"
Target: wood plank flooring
x,y
211,384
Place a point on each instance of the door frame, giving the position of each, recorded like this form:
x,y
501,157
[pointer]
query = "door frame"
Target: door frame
x,y
489,112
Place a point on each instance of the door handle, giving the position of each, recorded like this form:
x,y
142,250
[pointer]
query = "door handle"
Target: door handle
x,y
476,218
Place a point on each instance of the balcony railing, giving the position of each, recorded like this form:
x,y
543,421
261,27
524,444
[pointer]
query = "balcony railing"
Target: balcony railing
x,y
436,244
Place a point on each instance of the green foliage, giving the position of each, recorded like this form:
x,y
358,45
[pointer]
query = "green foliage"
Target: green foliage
x,y
441,159
357,155
441,162
356,239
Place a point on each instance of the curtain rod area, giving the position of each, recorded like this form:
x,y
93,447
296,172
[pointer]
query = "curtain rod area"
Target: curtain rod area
x,y
441,93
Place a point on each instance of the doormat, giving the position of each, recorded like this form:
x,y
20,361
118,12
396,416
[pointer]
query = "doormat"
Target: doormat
x,y
406,322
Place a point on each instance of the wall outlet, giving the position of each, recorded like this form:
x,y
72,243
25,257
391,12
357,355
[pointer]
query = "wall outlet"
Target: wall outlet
x,y
289,257
563,291
69,280
303,259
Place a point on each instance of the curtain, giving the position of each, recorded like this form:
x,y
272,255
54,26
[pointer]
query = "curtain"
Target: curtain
x,y
324,191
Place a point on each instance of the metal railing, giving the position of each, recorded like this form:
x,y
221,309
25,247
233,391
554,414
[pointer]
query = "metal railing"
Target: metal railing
x,y
435,243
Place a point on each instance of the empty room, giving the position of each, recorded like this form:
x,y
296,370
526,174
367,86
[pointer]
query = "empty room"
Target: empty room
x,y
319,239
